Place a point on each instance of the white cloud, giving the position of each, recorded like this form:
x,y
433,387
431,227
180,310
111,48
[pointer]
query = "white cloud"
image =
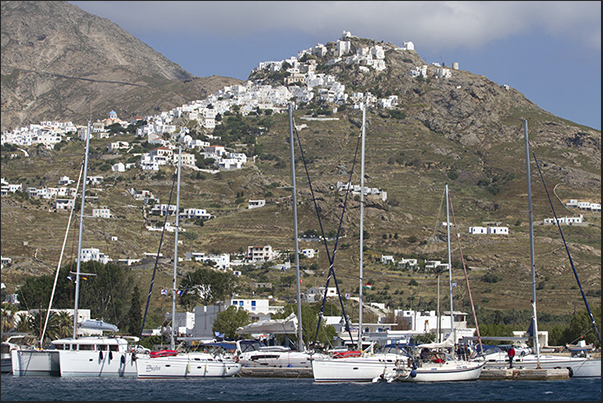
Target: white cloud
x,y
433,24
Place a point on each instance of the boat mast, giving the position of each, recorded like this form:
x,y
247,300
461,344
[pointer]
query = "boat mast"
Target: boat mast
x,y
56,276
453,332
439,336
300,333
361,224
533,266
172,341
79,246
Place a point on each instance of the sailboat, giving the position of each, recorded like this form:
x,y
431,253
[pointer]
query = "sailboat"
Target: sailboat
x,y
252,353
579,367
443,366
38,361
98,356
170,364
359,366
79,356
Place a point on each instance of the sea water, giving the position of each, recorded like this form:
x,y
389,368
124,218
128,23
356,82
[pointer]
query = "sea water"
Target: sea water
x,y
285,389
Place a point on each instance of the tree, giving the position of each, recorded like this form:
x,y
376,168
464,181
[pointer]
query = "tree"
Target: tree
x,y
133,319
229,320
206,286
64,325
8,317
103,293
326,333
581,328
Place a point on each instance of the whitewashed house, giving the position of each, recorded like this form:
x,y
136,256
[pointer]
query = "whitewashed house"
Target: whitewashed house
x,y
498,230
387,259
119,167
478,230
309,253
65,181
101,212
564,220
95,255
194,213
163,209
259,253
407,263
314,294
251,204
64,204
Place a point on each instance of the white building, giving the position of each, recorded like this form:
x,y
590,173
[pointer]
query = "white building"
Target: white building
x,y
309,253
478,230
256,203
314,294
498,230
102,212
95,255
407,263
194,213
564,220
259,253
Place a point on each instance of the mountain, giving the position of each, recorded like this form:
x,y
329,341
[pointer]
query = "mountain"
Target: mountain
x,y
61,63
464,130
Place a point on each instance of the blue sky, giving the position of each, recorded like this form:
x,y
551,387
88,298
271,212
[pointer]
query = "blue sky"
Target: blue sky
x,y
550,51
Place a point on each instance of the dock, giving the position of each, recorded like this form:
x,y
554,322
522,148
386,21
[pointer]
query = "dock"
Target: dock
x,y
524,374
276,372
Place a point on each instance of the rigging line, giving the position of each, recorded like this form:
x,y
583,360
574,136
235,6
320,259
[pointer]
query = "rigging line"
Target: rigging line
x,y
56,276
435,227
111,283
456,227
146,309
568,252
331,257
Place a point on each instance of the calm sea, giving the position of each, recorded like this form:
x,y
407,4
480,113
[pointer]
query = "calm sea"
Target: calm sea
x,y
273,389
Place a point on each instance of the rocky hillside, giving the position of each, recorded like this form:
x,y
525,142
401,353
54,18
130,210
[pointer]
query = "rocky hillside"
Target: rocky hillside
x,y
61,63
465,131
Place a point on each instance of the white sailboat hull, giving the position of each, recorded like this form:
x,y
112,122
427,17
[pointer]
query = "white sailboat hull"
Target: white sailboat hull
x,y
35,363
284,359
449,371
356,369
186,365
581,367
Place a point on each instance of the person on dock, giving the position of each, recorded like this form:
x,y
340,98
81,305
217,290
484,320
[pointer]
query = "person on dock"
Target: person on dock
x,y
511,354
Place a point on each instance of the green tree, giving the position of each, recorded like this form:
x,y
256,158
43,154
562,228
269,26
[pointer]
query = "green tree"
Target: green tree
x,y
64,325
581,328
206,286
8,317
103,293
229,320
133,319
310,313
101,290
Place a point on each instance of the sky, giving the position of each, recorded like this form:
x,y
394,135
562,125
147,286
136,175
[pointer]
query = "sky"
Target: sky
x,y
548,50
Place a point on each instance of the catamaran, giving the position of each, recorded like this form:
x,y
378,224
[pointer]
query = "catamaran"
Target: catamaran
x,y
169,364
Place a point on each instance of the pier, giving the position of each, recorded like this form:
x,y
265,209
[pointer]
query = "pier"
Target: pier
x,y
524,374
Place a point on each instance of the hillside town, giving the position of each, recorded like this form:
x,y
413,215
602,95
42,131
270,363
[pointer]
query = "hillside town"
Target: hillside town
x,y
302,84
